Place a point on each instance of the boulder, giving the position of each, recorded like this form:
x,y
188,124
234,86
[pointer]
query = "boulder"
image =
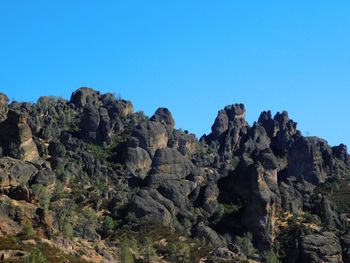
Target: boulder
x,y
85,96
45,177
150,205
164,116
138,161
14,172
171,161
16,137
204,232
152,136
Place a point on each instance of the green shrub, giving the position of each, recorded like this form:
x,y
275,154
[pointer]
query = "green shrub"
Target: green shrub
x,y
245,244
271,256
108,226
68,230
126,251
179,252
35,256
42,194
28,230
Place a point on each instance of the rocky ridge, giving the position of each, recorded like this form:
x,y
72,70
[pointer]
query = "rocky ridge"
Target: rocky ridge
x,y
91,169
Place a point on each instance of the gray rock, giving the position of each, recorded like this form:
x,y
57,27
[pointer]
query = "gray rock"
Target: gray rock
x,y
85,96
138,161
3,106
204,232
317,248
14,172
45,177
149,205
152,136
164,116
171,161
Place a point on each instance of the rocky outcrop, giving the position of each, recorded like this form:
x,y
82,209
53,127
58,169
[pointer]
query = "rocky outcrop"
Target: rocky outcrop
x,y
204,232
16,137
149,205
164,116
317,248
14,172
3,106
228,129
85,96
94,157
152,136
310,159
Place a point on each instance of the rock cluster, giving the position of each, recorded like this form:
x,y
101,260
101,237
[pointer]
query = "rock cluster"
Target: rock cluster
x,y
266,179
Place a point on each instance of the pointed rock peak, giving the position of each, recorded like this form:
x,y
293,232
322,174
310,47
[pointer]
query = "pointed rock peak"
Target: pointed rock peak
x,y
84,96
3,106
282,118
235,111
230,113
3,99
163,115
265,116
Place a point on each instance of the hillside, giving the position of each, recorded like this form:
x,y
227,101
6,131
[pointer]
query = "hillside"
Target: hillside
x,y
90,180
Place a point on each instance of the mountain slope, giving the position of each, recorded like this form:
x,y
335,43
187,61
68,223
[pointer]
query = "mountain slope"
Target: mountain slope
x,y
94,180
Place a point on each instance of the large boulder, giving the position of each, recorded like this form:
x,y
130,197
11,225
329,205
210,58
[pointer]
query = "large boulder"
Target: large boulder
x,y
85,96
150,205
204,232
164,116
152,136
171,161
14,172
138,161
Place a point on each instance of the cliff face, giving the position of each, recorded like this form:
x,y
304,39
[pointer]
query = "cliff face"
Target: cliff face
x,y
104,162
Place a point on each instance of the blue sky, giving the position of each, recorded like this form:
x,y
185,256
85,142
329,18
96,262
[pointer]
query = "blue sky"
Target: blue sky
x,y
193,57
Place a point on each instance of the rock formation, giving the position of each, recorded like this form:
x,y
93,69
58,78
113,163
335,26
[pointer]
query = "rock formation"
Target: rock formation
x,y
94,169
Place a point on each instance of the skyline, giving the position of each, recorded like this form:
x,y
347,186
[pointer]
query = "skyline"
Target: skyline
x,y
193,58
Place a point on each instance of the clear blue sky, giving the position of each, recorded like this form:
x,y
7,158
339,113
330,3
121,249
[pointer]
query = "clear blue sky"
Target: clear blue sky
x,y
193,57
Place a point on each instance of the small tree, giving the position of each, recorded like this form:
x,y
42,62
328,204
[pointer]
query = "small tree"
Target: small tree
x,y
108,226
42,194
28,230
68,230
88,220
245,244
126,255
150,252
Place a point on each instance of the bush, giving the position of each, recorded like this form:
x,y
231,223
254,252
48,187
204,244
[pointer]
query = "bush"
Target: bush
x,y
179,252
35,256
108,226
245,244
126,248
42,194
271,256
28,230
68,230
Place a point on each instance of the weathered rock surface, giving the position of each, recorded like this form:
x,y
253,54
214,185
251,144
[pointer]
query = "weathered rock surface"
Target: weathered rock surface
x,y
93,152
3,106
323,247
16,137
